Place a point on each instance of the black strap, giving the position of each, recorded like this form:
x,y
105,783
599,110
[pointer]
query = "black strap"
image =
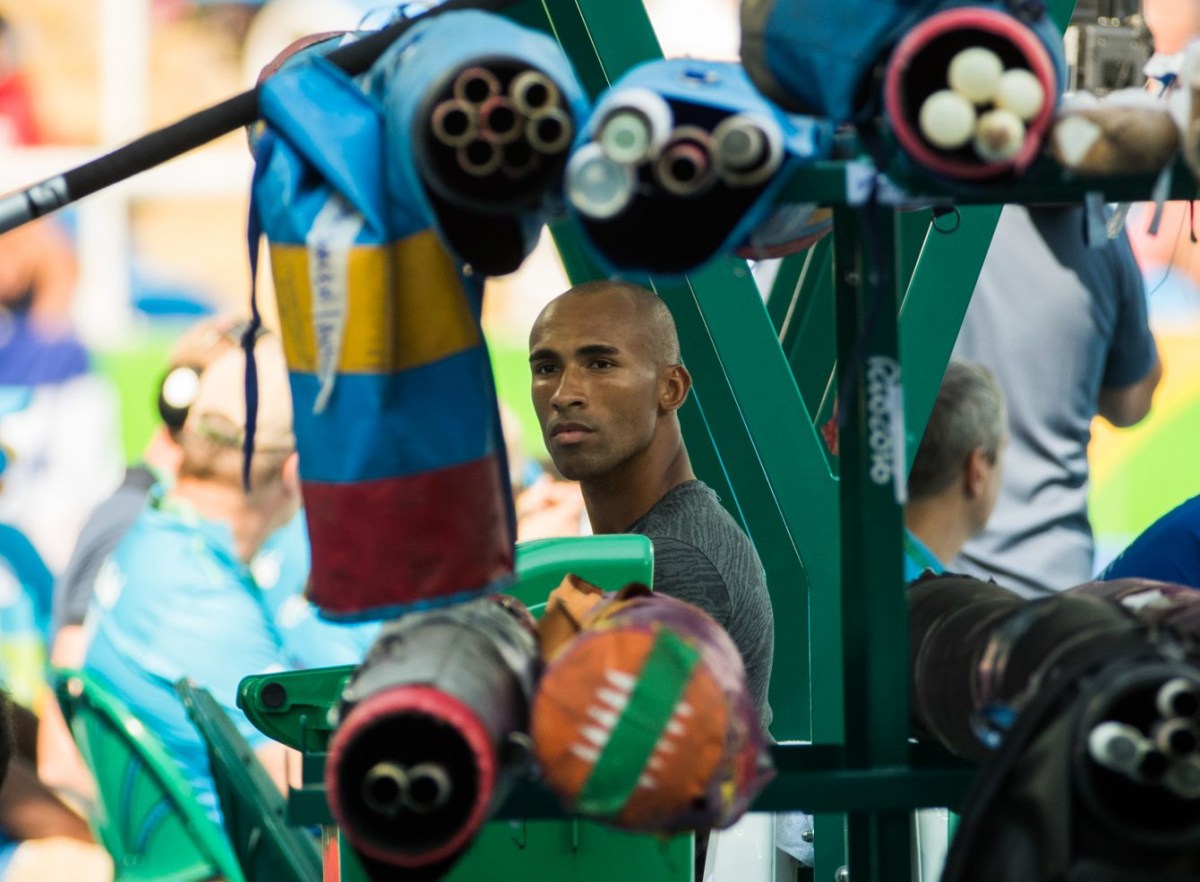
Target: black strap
x,y
196,130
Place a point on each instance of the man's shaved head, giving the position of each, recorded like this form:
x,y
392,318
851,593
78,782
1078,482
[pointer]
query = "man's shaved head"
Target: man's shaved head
x,y
607,382
653,316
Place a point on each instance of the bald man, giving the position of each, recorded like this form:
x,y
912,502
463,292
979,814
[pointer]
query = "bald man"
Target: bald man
x,y
608,383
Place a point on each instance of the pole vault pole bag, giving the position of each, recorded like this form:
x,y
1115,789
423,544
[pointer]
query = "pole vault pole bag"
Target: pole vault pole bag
x,y
431,734
817,57
480,116
979,652
1049,696
642,718
682,161
970,90
1050,806
824,58
402,461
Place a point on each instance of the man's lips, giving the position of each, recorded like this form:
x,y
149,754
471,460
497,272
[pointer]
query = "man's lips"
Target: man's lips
x,y
569,433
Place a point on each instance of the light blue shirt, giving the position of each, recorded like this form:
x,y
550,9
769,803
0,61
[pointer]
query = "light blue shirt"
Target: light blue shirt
x,y
918,558
174,600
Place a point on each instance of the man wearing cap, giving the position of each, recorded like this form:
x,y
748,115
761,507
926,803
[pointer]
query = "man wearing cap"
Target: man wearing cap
x,y
177,598
59,763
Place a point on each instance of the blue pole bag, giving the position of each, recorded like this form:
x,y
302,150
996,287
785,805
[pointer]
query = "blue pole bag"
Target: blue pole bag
x,y
396,420
819,57
681,162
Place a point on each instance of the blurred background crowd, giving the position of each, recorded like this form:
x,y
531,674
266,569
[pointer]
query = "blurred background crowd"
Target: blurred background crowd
x,y
93,298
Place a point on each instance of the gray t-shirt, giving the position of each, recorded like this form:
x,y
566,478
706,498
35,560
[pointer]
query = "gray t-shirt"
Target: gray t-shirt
x,y
101,533
703,558
1056,321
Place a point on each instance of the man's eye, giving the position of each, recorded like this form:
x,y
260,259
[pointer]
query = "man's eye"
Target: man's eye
x,y
602,363
544,369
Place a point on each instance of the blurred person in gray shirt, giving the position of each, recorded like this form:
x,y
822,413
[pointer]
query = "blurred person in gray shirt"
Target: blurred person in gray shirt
x,y
1063,328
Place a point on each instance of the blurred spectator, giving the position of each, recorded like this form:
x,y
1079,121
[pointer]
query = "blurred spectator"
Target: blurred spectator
x,y
280,569
1170,260
59,763
63,439
550,507
18,123
41,838
25,591
1166,551
1063,327
955,476
177,598
38,275
1172,24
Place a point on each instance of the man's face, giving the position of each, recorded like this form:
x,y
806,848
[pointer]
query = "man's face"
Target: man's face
x,y
596,383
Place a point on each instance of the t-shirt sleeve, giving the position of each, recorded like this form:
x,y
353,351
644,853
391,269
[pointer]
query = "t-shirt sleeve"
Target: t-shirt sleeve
x,y
1132,352
684,572
99,537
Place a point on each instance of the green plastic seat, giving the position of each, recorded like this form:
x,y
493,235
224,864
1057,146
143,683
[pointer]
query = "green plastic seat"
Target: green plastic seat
x,y
609,562
254,809
146,813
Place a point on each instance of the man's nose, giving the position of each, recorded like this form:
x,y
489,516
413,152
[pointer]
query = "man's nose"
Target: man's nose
x,y
569,392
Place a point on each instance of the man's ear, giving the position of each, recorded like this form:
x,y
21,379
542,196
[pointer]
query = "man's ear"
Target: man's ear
x,y
975,472
676,384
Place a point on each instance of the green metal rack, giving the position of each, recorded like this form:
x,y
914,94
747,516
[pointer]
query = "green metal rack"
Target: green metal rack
x,y
883,296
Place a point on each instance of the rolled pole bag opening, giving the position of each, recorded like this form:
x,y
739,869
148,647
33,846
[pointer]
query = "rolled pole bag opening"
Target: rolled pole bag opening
x,y
970,92
403,466
681,161
481,114
431,735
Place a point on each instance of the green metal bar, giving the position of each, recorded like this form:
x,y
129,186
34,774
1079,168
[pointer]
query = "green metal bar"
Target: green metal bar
x,y
1045,182
875,652
784,288
706,458
808,337
933,311
603,38
912,228
880,844
1061,11
874,649
769,452
786,492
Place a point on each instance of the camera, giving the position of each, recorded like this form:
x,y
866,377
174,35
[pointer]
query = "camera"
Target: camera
x,y
1106,46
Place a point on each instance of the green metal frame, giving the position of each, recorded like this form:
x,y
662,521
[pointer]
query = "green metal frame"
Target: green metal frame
x,y
886,292
766,377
